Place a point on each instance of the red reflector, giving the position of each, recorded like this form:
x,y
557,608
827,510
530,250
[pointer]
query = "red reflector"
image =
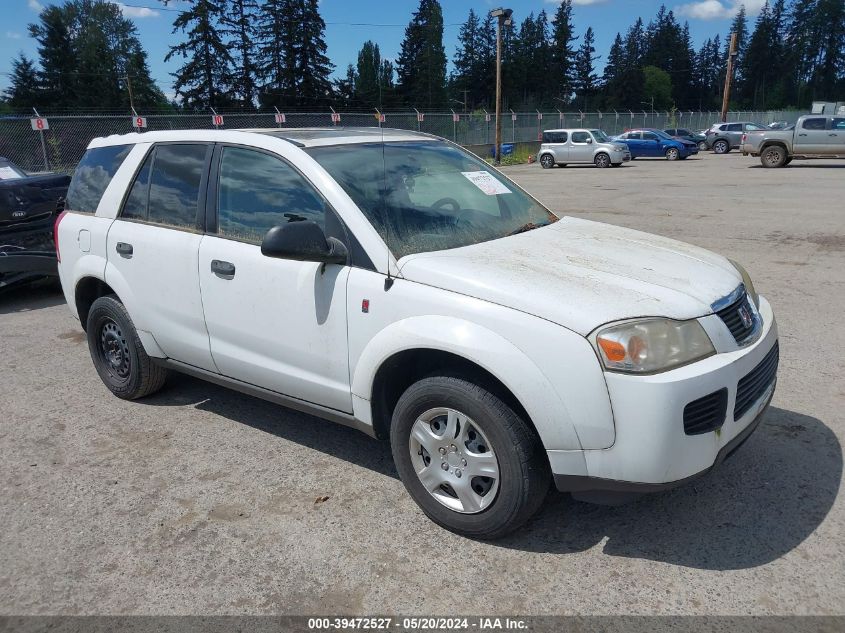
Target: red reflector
x,y
365,306
56,234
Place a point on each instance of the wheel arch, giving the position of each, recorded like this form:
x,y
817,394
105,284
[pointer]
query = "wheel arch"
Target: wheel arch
x,y
767,144
415,347
87,290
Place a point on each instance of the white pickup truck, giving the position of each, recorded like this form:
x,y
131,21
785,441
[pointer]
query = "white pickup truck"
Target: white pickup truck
x,y
393,282
813,136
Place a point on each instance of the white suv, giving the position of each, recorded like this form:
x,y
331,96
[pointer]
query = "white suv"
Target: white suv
x,y
391,281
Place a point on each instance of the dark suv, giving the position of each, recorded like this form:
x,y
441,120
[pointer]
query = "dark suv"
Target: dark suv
x,y
723,137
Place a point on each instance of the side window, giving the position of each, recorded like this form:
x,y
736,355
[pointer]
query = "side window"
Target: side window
x,y
635,136
649,136
754,126
135,206
554,137
93,174
671,132
580,137
682,132
257,190
175,179
814,124
734,127
838,124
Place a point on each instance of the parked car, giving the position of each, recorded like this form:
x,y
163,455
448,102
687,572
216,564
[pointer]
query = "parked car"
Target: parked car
x,y
723,137
647,143
561,147
393,282
687,135
814,136
29,205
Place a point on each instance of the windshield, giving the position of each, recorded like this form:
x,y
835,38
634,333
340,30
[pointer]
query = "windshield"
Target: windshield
x,y
600,136
428,195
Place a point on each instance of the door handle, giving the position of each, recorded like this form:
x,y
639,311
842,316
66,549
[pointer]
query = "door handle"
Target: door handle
x,y
223,269
802,135
833,135
123,249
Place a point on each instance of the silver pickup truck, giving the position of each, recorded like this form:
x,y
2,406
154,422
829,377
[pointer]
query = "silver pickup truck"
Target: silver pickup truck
x,y
814,136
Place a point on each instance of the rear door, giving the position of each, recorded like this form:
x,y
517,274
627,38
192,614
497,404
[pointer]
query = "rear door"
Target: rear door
x,y
836,135
153,246
811,136
557,142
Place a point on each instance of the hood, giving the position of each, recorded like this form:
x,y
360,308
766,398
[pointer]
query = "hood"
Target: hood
x,y
581,274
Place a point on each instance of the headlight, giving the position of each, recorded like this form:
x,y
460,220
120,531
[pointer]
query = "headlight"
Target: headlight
x,y
746,280
652,345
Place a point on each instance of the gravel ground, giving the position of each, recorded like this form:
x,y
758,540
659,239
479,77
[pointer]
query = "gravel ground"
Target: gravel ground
x,y
201,500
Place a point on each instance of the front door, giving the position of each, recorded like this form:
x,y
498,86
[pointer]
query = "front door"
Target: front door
x,y
811,136
651,145
278,324
153,247
580,148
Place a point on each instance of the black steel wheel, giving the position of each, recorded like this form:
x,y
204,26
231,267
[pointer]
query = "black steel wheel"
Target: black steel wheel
x,y
118,354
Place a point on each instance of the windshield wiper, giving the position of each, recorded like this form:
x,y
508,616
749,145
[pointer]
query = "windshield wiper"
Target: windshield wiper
x,y
530,226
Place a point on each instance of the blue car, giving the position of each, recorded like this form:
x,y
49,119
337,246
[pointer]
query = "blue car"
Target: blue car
x,y
656,144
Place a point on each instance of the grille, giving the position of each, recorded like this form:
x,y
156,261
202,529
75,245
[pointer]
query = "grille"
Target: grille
x,y
731,317
706,414
755,383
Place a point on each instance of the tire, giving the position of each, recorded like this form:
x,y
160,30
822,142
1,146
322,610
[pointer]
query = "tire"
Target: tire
x,y
616,164
547,161
673,153
488,435
117,352
721,146
602,160
774,156
702,146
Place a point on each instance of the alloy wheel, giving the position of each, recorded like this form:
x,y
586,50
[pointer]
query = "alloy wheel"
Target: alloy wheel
x,y
672,154
454,460
547,161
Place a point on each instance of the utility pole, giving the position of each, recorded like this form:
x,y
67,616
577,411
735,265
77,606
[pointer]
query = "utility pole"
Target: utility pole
x,y
726,98
504,18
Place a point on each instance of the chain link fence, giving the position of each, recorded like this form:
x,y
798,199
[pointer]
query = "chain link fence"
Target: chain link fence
x,y
61,145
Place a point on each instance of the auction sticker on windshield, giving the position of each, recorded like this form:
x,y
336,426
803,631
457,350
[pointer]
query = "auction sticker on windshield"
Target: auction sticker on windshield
x,y
485,181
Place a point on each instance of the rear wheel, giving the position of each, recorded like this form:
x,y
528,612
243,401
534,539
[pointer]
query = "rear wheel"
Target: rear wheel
x,y
721,147
117,352
672,153
466,458
602,160
774,156
547,161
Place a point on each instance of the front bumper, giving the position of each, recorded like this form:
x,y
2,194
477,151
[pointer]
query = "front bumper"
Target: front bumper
x,y
651,450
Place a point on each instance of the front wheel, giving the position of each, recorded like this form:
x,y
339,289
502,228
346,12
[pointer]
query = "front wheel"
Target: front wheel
x,y
672,154
117,352
547,161
602,160
721,147
471,463
774,156
702,146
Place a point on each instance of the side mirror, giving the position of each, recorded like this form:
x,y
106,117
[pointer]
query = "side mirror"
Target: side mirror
x,y
589,141
303,241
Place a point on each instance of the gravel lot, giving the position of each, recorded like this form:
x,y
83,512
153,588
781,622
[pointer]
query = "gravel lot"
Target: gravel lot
x,y
201,500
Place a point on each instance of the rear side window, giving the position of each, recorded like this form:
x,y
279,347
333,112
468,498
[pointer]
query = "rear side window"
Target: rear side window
x,y
554,137
814,124
734,127
167,188
92,176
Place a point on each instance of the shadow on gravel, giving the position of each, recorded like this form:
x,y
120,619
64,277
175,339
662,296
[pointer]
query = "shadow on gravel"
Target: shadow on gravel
x,y
758,505
33,296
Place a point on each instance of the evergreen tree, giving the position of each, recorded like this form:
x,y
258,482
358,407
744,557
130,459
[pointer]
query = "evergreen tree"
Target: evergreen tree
x,y
760,64
56,55
374,77
739,25
239,26
25,91
613,72
562,53
344,88
276,52
313,69
469,61
205,80
585,76
422,60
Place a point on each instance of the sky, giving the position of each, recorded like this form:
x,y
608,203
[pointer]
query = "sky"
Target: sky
x,y
349,23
